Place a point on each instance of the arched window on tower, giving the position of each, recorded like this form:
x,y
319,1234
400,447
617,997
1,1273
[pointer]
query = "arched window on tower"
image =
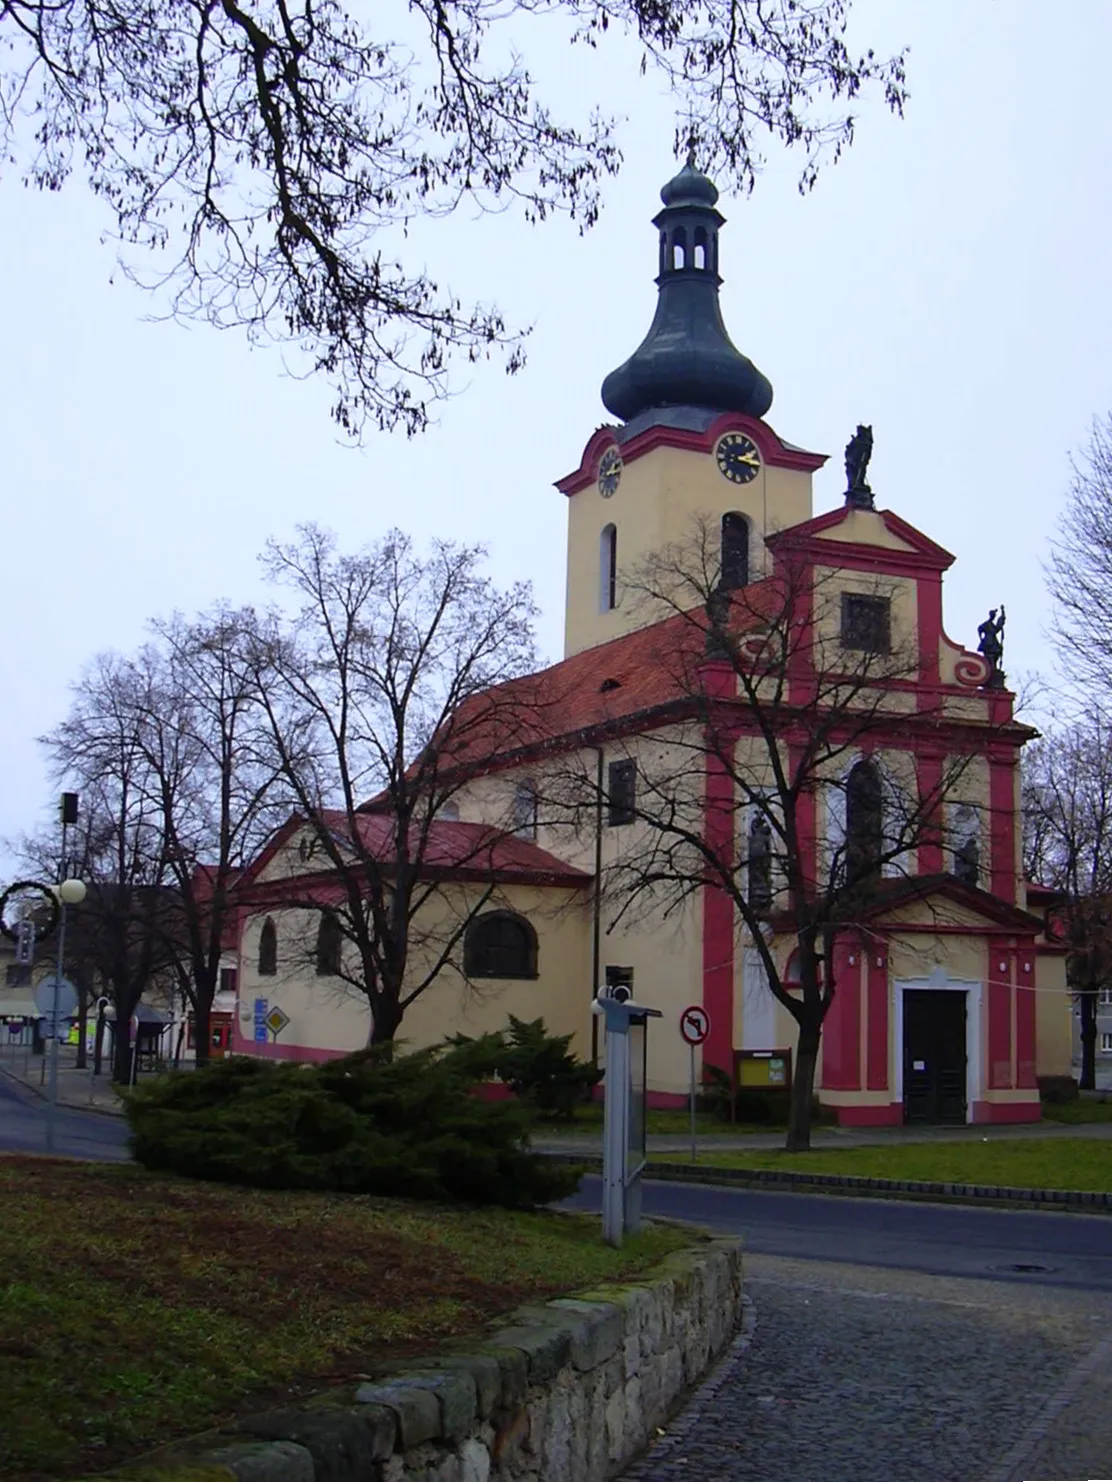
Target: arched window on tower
x,y
663,252
759,862
699,255
330,942
966,838
735,551
268,950
608,568
679,248
864,822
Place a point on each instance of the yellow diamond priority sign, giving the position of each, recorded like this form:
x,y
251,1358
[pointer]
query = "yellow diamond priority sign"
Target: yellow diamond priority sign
x,y
276,1021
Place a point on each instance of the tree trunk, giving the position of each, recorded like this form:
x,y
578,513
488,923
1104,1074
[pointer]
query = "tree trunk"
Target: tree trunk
x,y
202,1028
121,1049
803,1084
386,1018
82,1023
98,1043
1088,1004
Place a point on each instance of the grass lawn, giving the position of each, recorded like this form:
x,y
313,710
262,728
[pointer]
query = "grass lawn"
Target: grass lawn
x,y
135,1308
659,1123
1045,1163
1085,1109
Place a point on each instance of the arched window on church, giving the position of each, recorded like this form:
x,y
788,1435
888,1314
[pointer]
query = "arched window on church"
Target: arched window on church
x,y
864,821
500,944
679,248
608,568
699,255
759,862
966,840
268,950
735,551
330,942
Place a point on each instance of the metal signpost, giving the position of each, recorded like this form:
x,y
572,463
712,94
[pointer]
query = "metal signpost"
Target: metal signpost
x,y
623,1123
694,1026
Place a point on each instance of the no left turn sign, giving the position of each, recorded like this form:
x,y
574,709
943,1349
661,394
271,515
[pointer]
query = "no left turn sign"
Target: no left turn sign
x,y
695,1024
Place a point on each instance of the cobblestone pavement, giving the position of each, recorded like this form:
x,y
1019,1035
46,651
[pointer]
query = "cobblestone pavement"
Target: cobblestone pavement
x,y
854,1374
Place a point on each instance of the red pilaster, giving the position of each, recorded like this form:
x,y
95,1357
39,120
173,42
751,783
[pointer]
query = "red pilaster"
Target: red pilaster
x,y
1000,990
718,907
841,1054
930,632
1001,786
929,773
1024,978
876,1065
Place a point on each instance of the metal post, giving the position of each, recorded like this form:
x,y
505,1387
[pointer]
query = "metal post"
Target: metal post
x,y
615,1136
694,1151
52,1099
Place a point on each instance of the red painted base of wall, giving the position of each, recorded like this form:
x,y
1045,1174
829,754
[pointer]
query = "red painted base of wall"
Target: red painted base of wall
x,y
871,1116
667,1101
272,1051
1009,1111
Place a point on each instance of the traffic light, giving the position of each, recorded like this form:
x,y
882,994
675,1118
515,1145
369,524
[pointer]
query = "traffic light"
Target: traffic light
x,y
25,942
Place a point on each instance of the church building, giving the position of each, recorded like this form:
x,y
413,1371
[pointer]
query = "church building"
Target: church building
x,y
951,1000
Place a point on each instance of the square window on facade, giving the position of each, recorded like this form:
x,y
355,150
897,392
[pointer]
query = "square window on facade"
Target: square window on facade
x,y
229,979
1106,1043
622,792
1105,997
866,623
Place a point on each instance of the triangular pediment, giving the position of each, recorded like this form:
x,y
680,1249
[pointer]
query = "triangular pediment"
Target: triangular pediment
x,y
878,532
943,901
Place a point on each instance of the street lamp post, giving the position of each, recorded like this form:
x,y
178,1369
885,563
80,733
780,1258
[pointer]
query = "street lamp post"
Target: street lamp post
x,y
69,893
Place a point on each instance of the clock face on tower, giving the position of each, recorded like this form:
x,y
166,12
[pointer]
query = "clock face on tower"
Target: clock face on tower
x,y
609,472
738,458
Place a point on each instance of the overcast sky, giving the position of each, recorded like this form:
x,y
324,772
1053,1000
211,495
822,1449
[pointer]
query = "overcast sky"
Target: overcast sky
x,y
945,282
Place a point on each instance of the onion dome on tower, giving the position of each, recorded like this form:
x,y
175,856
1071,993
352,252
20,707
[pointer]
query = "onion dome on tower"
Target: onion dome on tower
x,y
687,359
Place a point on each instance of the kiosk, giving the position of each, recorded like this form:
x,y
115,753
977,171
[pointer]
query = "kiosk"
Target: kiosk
x,y
623,1124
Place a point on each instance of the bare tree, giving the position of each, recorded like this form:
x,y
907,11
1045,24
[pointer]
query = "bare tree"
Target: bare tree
x,y
279,151
172,734
1067,838
761,782
126,933
1079,570
381,695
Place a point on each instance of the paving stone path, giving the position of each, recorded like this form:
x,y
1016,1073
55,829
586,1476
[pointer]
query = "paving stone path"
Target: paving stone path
x,y
856,1374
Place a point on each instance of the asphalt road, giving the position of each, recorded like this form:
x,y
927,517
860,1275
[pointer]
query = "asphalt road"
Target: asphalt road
x,y
949,1240
78,1134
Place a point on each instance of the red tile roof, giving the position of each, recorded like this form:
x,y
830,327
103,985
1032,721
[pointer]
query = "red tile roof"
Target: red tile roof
x,y
626,678
461,848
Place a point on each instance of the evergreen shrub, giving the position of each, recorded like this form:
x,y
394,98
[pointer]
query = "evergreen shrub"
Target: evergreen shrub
x,y
377,1122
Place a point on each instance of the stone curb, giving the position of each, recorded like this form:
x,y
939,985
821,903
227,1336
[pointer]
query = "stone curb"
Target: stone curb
x,y
782,1181
569,1390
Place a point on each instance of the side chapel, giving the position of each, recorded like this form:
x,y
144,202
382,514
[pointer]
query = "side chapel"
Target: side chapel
x,y
951,999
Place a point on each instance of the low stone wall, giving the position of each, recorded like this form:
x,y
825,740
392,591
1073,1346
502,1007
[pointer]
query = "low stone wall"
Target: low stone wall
x,y
569,1391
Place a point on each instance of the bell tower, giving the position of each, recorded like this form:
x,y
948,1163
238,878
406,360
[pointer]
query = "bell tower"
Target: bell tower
x,y
692,444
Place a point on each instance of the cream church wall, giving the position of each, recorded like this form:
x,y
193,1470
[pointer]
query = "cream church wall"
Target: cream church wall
x,y
660,498
329,1015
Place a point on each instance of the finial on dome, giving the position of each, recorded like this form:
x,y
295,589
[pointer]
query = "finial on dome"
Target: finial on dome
x,y
687,358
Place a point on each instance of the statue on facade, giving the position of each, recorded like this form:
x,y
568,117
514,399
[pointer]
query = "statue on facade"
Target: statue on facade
x,y
859,450
991,645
